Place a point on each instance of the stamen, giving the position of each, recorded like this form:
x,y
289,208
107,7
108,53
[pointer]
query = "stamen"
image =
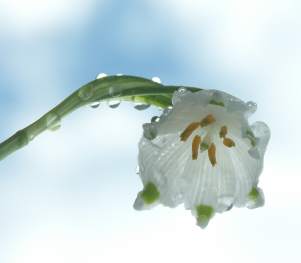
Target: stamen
x,y
195,146
189,130
228,142
223,132
207,120
211,154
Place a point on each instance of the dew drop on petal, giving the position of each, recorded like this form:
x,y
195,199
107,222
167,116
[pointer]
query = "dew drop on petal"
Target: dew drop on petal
x,y
141,106
114,103
254,153
101,75
95,104
179,94
155,119
137,169
149,131
252,106
53,121
156,79
225,203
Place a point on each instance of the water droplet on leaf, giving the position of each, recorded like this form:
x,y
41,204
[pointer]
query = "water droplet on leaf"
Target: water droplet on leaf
x,y
101,75
95,104
53,121
156,79
114,103
86,92
141,106
111,91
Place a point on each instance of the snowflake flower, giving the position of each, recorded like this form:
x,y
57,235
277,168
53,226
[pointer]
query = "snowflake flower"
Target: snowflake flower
x,y
202,152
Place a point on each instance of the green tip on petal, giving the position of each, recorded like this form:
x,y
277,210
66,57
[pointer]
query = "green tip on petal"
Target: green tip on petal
x,y
253,195
204,214
150,193
251,137
256,198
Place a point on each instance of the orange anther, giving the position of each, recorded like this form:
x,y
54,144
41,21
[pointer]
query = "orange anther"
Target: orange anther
x,y
189,130
207,120
195,147
223,132
228,142
212,154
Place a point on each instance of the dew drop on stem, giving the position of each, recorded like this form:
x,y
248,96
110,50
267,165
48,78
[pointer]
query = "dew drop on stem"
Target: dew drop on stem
x,y
86,92
114,103
53,121
101,75
141,106
95,104
156,79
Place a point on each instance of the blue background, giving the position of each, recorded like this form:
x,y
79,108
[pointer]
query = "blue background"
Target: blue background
x,y
67,197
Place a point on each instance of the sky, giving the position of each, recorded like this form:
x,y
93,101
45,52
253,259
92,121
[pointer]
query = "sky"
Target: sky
x,y
68,196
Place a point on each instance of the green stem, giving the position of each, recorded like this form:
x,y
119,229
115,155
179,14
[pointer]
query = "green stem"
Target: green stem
x,y
128,88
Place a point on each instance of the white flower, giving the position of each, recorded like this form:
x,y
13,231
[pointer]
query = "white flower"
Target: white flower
x,y
202,153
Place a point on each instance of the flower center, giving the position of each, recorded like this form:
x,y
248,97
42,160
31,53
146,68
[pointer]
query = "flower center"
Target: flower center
x,y
201,145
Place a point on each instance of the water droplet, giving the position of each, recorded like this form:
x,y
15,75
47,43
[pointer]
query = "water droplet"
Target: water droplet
x,y
31,136
225,203
137,169
101,75
111,91
166,112
254,152
53,121
149,131
114,103
252,106
182,90
95,104
22,138
86,92
141,106
156,79
178,95
155,119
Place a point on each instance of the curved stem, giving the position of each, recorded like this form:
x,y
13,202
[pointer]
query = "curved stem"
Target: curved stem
x,y
127,88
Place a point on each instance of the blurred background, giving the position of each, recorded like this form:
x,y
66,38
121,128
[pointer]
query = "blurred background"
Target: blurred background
x,y
67,197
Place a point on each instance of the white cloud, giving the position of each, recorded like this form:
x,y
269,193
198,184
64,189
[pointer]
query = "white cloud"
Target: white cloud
x,y
25,17
235,34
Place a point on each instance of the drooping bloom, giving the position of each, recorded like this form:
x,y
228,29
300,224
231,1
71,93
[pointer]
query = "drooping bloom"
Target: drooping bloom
x,y
202,152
